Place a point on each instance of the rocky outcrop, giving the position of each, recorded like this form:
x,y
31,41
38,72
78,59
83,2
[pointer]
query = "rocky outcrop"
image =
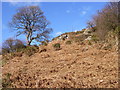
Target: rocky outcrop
x,y
87,32
63,37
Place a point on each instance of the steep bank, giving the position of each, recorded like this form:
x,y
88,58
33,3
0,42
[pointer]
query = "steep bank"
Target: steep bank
x,y
75,65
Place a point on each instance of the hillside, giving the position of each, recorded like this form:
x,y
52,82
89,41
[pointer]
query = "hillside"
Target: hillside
x,y
77,65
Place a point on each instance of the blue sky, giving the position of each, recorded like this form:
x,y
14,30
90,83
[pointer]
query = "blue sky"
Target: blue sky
x,y
64,16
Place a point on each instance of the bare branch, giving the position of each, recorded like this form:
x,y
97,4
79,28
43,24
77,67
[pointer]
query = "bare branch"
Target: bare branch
x,y
29,20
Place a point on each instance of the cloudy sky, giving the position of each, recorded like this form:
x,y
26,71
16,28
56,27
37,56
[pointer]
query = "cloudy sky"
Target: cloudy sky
x,y
64,16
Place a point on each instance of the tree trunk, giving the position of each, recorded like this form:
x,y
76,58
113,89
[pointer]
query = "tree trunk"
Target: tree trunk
x,y
29,42
27,39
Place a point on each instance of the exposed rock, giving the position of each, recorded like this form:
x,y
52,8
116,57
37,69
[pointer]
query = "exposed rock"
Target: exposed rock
x,y
87,32
63,37
89,38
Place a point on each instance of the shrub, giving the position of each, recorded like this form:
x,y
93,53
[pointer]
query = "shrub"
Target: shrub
x,y
30,50
79,32
8,56
57,46
68,42
94,38
106,19
6,82
89,43
79,38
117,30
12,45
107,47
3,62
44,43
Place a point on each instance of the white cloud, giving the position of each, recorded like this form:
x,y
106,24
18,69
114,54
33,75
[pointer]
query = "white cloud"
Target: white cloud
x,y
58,33
83,12
75,30
67,11
24,3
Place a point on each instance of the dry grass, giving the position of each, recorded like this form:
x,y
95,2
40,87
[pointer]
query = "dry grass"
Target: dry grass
x,y
74,66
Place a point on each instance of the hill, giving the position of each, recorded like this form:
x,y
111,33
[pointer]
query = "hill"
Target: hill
x,y
84,62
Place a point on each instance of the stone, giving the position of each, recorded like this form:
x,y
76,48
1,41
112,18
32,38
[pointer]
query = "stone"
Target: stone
x,y
89,38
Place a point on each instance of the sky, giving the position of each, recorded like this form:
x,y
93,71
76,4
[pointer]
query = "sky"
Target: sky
x,y
63,16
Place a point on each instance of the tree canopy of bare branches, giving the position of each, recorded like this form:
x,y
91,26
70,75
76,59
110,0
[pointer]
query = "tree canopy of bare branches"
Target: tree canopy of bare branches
x,y
30,21
106,19
11,45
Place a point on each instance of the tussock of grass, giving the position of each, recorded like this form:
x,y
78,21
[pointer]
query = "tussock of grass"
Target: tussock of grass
x,y
57,46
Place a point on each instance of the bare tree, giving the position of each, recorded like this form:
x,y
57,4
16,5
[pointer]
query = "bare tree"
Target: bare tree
x,y
30,21
106,19
11,45
91,25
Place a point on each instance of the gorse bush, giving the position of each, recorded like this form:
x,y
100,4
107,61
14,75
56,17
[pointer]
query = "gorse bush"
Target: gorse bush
x,y
68,42
30,50
56,46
